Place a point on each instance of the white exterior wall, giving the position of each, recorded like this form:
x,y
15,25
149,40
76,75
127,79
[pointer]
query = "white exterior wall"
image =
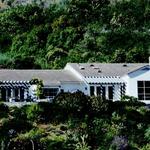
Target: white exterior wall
x,y
132,79
67,87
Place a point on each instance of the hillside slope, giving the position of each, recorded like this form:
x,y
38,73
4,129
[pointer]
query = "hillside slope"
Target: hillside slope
x,y
35,36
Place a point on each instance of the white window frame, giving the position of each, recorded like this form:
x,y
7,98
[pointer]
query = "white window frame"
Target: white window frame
x,y
144,93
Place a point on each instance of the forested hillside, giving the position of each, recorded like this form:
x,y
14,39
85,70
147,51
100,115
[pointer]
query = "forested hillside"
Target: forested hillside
x,y
39,36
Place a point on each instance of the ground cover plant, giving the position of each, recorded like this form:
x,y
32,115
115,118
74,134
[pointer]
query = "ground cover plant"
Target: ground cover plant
x,y
76,122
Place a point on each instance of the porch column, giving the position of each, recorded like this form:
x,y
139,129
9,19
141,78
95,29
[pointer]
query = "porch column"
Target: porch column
x,y
120,92
88,89
101,90
7,95
123,88
19,93
0,93
25,94
12,92
107,93
95,91
114,91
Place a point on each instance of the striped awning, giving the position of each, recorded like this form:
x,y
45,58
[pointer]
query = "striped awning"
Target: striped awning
x,y
104,80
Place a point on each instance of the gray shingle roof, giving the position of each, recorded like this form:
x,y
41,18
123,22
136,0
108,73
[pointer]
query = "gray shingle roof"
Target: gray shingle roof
x,y
105,69
49,77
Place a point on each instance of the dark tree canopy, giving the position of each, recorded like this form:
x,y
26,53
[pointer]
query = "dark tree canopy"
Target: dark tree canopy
x,y
75,31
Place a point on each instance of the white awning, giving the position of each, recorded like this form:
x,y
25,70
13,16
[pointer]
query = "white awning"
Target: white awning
x,y
14,84
104,80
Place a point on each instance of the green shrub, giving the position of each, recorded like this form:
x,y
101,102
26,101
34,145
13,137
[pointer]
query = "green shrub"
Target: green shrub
x,y
11,127
145,147
120,106
73,104
101,106
129,98
50,112
4,59
34,134
18,113
33,112
146,117
82,144
119,143
4,110
25,144
147,134
143,110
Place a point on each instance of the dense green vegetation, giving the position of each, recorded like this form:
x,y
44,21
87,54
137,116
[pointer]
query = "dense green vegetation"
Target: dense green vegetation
x,y
35,36
76,122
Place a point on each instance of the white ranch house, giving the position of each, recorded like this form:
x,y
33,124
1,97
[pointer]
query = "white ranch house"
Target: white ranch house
x,y
110,81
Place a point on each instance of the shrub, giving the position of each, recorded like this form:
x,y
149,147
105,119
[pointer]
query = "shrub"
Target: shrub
x,y
50,112
133,115
18,113
97,132
129,98
143,110
76,104
25,144
82,144
119,143
34,112
55,142
11,127
146,147
147,134
120,106
101,106
4,59
4,110
33,134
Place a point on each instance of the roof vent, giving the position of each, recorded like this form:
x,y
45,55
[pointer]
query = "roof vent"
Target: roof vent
x,y
96,67
91,65
124,65
99,71
81,68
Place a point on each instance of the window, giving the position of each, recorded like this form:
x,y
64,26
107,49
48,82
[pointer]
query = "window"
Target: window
x,y
98,90
62,90
16,93
9,92
110,93
92,90
3,94
22,94
50,92
104,92
144,90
